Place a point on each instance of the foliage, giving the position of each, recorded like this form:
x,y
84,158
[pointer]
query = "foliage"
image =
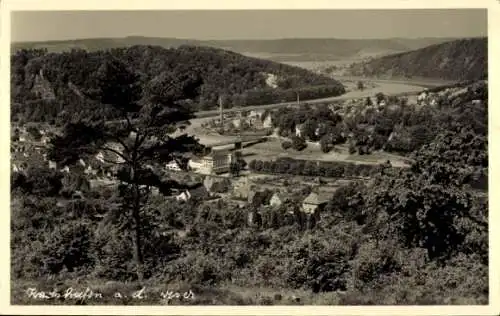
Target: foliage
x,y
52,86
407,236
429,62
313,168
298,143
286,145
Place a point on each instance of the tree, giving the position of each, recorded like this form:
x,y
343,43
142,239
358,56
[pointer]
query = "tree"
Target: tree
x,y
34,132
380,97
420,213
324,143
360,85
286,144
154,110
298,143
236,166
368,101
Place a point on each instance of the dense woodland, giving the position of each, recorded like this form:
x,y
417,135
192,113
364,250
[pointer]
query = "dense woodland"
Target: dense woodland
x,y
417,235
300,48
53,87
465,59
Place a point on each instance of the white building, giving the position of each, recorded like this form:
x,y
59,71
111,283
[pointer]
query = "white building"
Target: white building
x,y
277,200
268,122
45,139
314,202
52,165
173,166
236,123
298,130
422,97
218,161
195,164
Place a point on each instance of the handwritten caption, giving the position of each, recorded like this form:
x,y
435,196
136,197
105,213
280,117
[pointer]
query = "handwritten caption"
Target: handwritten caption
x,y
88,294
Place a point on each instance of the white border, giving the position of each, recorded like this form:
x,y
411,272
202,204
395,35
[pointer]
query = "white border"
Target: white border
x,y
46,5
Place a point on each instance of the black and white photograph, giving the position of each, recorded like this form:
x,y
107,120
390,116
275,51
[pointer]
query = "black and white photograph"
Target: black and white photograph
x,y
325,157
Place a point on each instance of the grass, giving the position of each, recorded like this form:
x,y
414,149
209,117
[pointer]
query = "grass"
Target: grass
x,y
271,150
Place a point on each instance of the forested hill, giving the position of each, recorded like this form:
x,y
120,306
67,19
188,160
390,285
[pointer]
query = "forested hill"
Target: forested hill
x,y
465,59
297,46
47,85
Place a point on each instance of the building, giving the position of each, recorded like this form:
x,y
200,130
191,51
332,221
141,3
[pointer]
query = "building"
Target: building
x,y
236,123
15,168
173,166
277,200
217,162
197,193
259,198
52,165
196,164
268,121
298,130
315,202
184,196
45,139
422,97
65,169
217,184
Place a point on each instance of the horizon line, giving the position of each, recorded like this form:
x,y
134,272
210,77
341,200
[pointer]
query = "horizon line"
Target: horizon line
x,y
250,39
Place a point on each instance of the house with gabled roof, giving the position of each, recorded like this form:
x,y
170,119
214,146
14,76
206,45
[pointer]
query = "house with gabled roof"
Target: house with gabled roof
x,y
278,199
315,202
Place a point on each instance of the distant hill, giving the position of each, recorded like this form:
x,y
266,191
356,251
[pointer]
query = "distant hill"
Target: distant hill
x,y
464,59
310,49
47,86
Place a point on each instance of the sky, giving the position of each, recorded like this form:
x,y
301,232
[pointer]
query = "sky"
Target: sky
x,y
247,24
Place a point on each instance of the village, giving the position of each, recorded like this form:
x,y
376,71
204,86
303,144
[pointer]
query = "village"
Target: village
x,y
229,139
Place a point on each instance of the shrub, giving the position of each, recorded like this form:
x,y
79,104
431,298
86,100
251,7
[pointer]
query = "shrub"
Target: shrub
x,y
286,145
298,143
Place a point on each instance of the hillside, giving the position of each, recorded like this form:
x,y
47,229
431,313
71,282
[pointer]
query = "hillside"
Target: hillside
x,y
279,49
47,85
464,59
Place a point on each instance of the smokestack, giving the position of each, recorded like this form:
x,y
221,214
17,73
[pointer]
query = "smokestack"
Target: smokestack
x,y
221,112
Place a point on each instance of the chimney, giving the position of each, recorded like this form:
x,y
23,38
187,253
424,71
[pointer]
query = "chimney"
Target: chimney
x,y
221,113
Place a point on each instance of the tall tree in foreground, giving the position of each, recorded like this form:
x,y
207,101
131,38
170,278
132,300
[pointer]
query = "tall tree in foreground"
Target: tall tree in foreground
x,y
148,116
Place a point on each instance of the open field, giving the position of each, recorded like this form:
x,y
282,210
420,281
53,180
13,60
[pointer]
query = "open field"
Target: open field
x,y
271,150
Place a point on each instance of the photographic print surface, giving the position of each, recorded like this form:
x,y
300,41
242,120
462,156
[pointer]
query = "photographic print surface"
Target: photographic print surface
x,y
249,157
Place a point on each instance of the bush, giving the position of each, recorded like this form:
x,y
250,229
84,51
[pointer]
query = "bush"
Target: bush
x,y
286,145
298,143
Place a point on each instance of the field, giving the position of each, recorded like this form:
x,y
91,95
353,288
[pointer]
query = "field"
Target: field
x,y
272,150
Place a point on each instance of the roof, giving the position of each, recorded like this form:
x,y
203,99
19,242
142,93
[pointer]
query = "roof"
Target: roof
x,y
198,192
317,199
281,195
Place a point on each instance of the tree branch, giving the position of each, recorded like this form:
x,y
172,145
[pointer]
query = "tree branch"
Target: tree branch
x,y
116,152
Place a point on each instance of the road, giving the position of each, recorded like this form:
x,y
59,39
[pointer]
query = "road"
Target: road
x,y
388,87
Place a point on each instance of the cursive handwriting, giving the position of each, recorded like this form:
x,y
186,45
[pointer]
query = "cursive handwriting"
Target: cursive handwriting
x,y
88,294
169,295
70,293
